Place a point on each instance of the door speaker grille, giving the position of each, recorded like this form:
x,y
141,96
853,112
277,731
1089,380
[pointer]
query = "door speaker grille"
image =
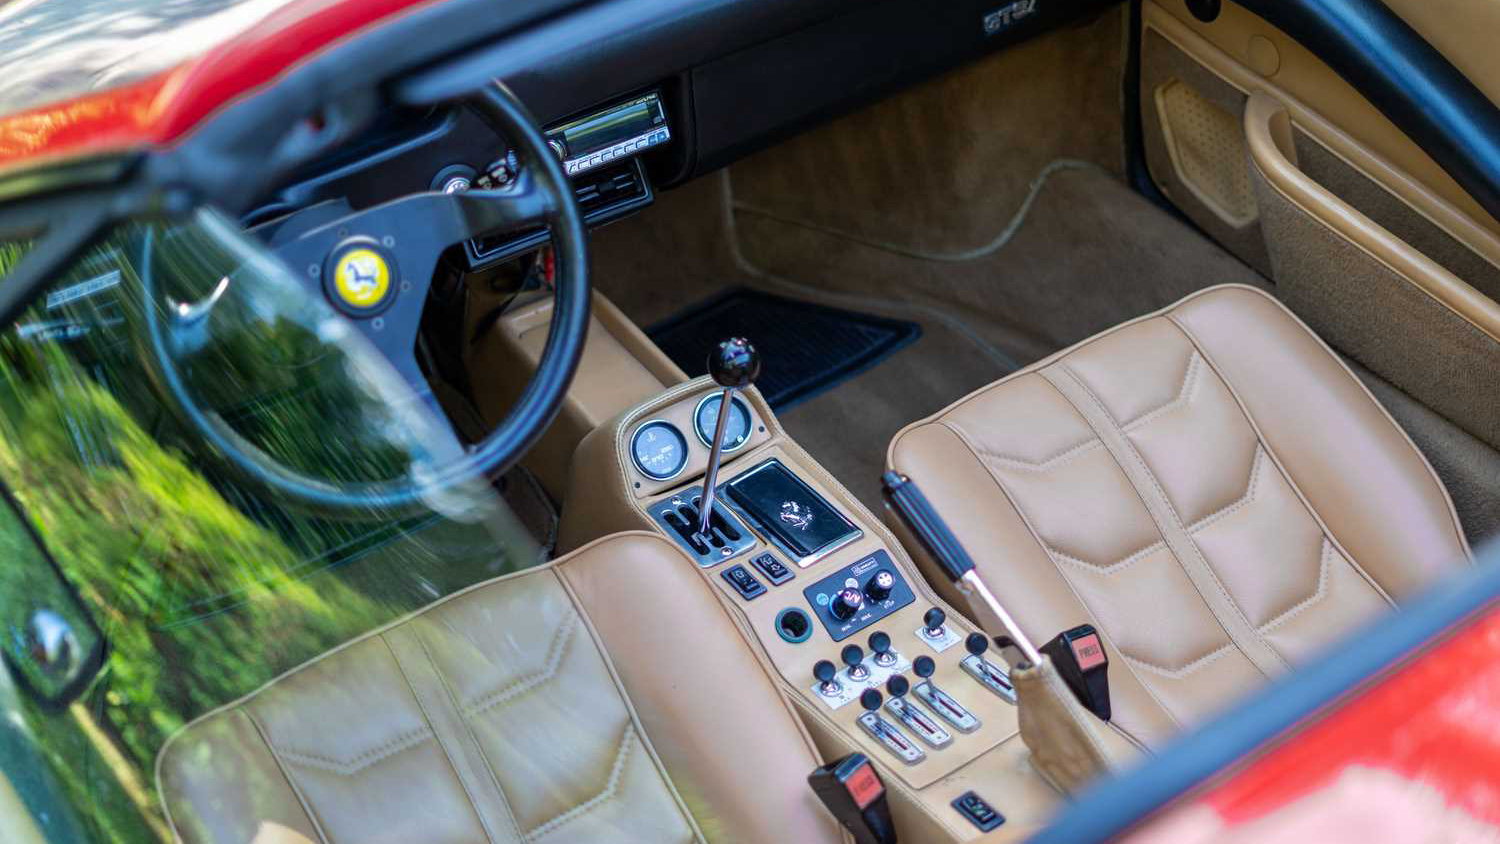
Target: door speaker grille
x,y
1207,146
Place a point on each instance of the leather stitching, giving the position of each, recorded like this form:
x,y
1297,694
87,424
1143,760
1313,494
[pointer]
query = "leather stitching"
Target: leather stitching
x,y
355,764
1317,595
504,800
1135,456
1185,669
307,807
1072,588
1061,458
1184,397
555,653
1110,568
610,791
1251,489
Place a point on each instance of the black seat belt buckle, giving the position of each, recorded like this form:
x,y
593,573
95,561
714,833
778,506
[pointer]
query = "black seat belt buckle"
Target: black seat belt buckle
x,y
853,792
1079,657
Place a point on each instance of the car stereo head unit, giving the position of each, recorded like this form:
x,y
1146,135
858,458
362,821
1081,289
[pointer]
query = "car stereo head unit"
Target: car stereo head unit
x,y
606,136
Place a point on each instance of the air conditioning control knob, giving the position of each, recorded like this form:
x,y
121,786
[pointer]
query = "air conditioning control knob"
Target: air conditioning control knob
x,y
846,603
879,587
558,149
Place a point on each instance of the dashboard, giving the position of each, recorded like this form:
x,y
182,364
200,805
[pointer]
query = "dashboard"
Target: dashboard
x,y
639,95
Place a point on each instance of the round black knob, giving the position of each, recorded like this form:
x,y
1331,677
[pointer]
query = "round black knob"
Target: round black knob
x,y
734,363
846,603
934,618
977,643
923,666
880,642
879,587
870,699
825,671
897,685
852,655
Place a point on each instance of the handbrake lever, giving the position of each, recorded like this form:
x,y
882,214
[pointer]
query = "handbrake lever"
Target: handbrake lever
x,y
928,527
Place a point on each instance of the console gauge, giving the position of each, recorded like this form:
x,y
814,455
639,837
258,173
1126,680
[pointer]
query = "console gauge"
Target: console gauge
x,y
737,428
659,450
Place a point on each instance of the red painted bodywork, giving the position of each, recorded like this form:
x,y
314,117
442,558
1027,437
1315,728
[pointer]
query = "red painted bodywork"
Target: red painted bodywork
x,y
1433,723
161,108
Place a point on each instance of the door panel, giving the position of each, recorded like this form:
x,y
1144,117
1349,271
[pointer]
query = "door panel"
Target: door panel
x,y
1365,237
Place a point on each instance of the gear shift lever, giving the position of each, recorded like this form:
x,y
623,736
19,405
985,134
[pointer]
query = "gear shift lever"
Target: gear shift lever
x,y
734,364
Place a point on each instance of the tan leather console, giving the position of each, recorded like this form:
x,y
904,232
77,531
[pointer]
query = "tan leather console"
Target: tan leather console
x,y
990,760
620,367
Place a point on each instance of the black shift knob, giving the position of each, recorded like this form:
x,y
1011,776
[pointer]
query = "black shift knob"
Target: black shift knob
x,y
977,643
852,655
824,671
897,685
734,363
923,666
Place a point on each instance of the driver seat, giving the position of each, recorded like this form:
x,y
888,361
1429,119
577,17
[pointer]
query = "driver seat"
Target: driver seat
x,y
605,697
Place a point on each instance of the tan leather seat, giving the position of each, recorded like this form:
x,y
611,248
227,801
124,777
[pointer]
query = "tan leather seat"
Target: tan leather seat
x,y
1208,485
604,698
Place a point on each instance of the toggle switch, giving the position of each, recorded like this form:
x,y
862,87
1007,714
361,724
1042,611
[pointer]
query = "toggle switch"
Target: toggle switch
x,y
880,645
908,713
854,657
989,675
826,673
939,701
934,623
884,731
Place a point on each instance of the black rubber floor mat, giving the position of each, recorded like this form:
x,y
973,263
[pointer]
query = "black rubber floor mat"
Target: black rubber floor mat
x,y
806,348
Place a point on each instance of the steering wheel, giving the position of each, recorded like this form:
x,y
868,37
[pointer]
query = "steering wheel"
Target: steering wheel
x,y
376,267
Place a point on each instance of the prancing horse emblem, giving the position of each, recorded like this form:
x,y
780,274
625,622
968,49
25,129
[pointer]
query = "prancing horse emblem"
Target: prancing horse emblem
x,y
796,515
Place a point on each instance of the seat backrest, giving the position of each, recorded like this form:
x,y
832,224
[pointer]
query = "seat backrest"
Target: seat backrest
x,y
1209,486
491,716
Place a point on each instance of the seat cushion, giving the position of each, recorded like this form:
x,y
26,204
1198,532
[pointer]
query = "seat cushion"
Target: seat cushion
x,y
500,714
1208,485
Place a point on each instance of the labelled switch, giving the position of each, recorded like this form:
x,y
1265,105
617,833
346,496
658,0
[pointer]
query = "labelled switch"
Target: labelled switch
x,y
846,603
744,582
879,587
939,701
884,731
774,570
980,813
880,645
854,657
826,673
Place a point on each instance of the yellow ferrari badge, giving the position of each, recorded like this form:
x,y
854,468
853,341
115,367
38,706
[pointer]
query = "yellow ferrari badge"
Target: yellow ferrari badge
x,y
362,278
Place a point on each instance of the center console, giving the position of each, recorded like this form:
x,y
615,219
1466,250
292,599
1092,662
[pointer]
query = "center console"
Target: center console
x,y
867,652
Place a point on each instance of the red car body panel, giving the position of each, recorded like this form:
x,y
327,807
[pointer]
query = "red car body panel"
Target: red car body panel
x,y
1432,723
163,107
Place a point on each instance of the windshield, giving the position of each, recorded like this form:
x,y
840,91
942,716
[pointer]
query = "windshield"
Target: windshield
x,y
202,585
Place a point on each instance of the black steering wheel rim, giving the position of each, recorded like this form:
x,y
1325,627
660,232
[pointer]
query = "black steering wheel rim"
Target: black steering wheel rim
x,y
527,420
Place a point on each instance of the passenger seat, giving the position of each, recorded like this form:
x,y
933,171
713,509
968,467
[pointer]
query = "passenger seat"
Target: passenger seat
x,y
1208,485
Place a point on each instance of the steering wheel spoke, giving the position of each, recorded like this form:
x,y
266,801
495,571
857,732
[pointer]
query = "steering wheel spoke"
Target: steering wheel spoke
x,y
375,266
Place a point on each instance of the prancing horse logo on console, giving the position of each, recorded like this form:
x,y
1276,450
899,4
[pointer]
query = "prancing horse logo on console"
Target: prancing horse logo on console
x,y
796,515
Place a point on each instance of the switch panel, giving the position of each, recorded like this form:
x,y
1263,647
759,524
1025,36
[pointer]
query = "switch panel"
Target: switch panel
x,y
980,813
744,582
774,570
858,595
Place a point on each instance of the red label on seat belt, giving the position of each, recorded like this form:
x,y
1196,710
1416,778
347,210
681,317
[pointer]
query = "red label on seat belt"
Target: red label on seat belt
x,y
864,786
1087,651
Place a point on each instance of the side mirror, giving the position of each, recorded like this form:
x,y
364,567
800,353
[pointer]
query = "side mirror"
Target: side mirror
x,y
49,642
